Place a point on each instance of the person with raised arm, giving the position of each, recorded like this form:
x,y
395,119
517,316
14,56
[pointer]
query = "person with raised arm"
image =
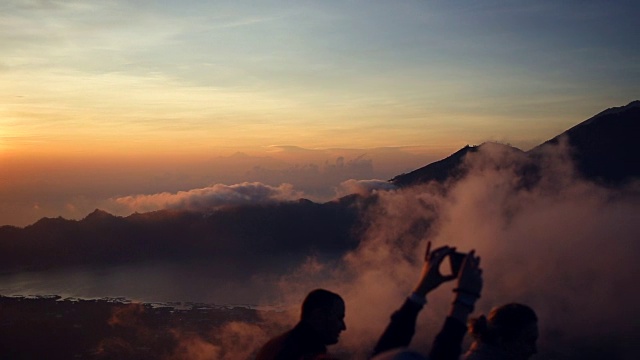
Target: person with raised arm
x,y
447,344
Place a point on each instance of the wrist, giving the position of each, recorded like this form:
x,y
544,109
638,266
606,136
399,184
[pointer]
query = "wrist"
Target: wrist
x,y
468,294
463,306
465,299
418,298
424,289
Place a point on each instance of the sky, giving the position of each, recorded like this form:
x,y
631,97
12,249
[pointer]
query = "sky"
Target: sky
x,y
108,99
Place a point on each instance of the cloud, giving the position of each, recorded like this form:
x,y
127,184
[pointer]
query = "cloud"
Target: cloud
x,y
135,334
238,340
317,178
208,198
563,245
100,181
363,187
193,347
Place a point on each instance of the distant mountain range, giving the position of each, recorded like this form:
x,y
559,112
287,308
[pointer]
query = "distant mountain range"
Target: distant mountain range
x,y
603,149
252,234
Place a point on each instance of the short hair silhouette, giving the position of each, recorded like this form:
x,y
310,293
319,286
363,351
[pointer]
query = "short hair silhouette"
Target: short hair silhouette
x,y
321,322
504,322
319,299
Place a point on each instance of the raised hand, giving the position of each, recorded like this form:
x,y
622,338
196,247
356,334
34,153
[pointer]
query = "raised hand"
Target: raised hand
x,y
469,283
431,277
470,276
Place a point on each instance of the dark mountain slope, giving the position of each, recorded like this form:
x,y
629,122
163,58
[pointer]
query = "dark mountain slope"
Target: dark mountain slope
x,y
450,168
251,233
605,147
441,170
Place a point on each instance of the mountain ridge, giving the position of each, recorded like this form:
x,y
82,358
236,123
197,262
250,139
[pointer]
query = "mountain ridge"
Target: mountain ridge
x,y
603,149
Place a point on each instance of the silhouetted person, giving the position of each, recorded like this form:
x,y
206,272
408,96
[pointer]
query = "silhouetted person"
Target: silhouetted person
x,y
447,344
509,332
321,322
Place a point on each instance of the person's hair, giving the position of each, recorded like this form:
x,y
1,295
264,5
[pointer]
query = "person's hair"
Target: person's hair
x,y
504,322
318,299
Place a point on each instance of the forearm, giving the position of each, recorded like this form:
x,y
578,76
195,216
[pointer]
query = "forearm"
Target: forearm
x,y
447,344
401,328
460,312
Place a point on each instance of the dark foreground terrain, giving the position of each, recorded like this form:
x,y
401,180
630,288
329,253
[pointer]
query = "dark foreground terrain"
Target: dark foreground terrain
x,y
55,328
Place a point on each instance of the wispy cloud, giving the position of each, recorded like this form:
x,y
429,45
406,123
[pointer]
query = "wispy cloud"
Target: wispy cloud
x,y
565,246
246,21
363,187
209,198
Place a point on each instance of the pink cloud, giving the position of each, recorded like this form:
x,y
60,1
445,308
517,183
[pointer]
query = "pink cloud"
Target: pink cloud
x,y
208,198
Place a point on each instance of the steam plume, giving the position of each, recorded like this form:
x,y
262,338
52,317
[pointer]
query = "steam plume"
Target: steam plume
x,y
565,246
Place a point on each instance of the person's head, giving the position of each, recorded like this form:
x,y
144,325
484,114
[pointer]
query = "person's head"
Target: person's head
x,y
512,327
324,312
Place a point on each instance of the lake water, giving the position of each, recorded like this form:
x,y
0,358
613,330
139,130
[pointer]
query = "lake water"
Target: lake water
x,y
145,283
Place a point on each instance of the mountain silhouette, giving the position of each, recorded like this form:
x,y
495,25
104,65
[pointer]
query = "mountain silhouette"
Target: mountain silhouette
x,y
451,168
602,147
440,171
252,233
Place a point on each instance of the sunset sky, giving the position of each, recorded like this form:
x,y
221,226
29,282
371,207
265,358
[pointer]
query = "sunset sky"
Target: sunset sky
x,y
105,99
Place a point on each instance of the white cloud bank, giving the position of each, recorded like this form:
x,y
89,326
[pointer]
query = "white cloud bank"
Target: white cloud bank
x,y
363,187
207,198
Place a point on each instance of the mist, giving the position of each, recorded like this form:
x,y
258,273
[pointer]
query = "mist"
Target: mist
x,y
564,246
561,244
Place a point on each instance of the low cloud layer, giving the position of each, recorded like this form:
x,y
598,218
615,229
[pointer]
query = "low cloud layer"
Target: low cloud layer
x,y
136,336
363,187
565,246
221,195
207,198
35,187
318,179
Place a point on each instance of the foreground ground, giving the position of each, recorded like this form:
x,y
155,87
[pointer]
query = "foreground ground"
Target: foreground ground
x,y
55,328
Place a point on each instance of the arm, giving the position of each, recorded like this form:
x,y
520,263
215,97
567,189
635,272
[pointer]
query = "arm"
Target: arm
x,y
400,330
446,345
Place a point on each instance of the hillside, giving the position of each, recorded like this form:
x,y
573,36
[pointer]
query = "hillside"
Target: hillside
x,y
603,148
